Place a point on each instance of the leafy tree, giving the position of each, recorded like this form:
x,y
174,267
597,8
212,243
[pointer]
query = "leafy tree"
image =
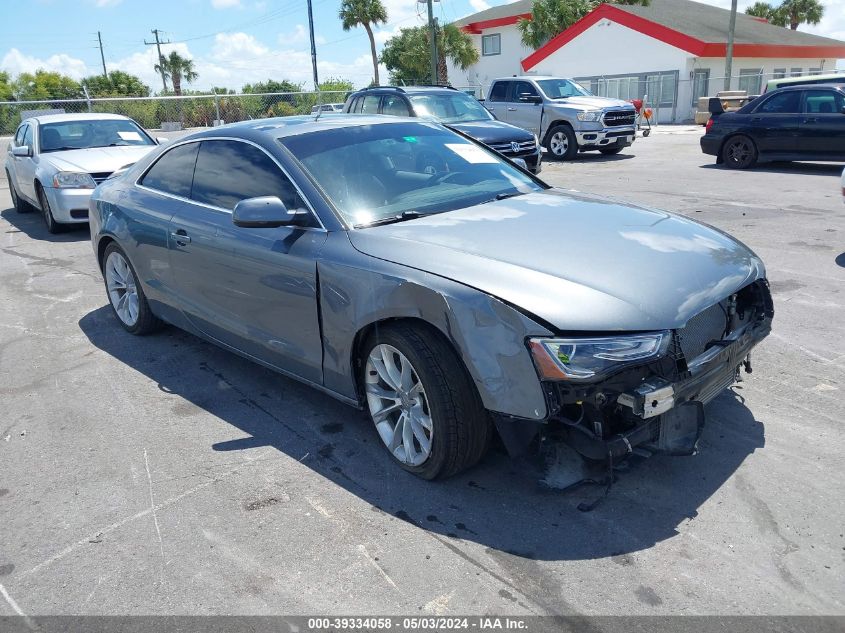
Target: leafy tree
x,y
5,87
551,17
336,84
176,68
364,13
791,13
45,85
272,85
117,84
408,55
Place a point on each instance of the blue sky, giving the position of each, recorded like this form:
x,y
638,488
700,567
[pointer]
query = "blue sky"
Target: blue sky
x,y
232,41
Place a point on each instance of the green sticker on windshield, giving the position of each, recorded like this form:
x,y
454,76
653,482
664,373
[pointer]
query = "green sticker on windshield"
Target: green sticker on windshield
x,y
409,139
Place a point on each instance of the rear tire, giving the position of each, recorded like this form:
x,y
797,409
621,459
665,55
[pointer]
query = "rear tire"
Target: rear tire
x,y
412,371
21,205
561,143
739,152
126,296
52,226
610,151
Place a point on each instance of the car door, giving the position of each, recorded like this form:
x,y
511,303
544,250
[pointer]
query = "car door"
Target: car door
x,y
823,123
497,102
253,289
521,111
24,166
774,124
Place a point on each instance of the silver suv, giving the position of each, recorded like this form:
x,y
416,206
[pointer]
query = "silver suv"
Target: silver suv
x,y
566,117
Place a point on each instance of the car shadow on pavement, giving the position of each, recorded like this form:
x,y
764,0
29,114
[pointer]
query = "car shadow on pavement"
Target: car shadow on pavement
x,y
819,169
840,260
498,504
32,224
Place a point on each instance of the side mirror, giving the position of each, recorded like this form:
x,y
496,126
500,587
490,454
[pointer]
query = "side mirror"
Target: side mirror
x,y
22,151
714,105
161,140
843,109
264,212
520,162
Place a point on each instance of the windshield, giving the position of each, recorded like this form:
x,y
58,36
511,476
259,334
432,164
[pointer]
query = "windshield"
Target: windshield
x,y
373,173
67,135
560,88
450,108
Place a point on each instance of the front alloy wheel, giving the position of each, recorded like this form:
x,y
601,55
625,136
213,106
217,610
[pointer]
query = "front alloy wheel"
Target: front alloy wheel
x,y
398,405
561,143
52,226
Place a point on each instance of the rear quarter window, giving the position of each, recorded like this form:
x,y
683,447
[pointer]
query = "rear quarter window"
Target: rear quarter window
x,y
173,172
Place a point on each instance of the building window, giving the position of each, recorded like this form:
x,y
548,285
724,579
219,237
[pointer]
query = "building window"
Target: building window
x,y
700,84
779,73
750,79
660,87
815,71
796,72
491,44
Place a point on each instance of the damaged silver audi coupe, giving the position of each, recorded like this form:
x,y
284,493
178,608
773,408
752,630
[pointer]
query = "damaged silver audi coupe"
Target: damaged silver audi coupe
x,y
406,269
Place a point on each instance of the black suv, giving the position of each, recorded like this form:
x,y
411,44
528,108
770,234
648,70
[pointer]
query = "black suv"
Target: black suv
x,y
454,109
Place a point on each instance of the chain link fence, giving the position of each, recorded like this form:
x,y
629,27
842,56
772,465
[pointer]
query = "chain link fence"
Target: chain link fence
x,y
174,112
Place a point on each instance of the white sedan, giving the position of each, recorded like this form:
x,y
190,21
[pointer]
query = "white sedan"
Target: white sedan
x,y
55,161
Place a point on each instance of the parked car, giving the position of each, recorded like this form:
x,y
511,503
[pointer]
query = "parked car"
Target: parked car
x,y
566,117
327,107
454,109
318,248
842,180
54,162
805,80
793,123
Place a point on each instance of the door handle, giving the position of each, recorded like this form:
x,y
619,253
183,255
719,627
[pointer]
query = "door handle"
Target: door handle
x,y
181,237
756,119
812,120
511,109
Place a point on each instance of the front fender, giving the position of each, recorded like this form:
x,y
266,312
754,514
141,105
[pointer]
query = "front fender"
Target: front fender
x,y
357,291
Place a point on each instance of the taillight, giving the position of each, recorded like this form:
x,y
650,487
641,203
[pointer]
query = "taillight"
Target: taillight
x,y
709,125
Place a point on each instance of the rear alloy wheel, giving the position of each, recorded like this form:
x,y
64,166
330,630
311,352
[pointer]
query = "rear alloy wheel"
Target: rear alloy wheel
x,y
52,226
561,143
21,205
425,408
739,152
125,293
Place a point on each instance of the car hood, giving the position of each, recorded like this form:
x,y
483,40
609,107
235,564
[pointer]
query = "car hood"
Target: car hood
x,y
493,131
593,102
95,160
580,263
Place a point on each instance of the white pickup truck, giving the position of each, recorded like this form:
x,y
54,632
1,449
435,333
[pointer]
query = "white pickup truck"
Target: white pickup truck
x,y
565,117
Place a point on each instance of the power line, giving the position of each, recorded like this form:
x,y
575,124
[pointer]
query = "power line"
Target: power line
x,y
160,58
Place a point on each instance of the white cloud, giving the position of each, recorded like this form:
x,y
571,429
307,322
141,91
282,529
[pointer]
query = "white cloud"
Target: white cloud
x,y
16,62
479,5
226,4
299,34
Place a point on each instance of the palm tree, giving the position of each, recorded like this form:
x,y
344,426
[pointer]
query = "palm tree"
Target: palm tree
x,y
176,68
454,44
364,13
791,13
550,17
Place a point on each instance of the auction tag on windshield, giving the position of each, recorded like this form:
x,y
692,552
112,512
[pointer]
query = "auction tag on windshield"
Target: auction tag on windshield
x,y
130,136
471,153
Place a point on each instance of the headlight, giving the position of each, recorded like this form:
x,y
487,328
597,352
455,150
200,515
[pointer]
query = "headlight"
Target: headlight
x,y
586,358
590,115
73,180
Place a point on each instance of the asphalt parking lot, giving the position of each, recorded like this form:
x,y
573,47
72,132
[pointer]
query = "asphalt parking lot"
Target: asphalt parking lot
x,y
162,475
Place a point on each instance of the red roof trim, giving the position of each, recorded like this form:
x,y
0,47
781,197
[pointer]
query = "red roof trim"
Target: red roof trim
x,y
477,27
676,39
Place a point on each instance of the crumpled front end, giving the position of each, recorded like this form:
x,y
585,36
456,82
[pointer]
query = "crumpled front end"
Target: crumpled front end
x,y
658,407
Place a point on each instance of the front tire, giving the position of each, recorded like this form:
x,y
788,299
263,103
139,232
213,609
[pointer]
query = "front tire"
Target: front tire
x,y
53,227
426,409
21,205
739,152
561,143
126,296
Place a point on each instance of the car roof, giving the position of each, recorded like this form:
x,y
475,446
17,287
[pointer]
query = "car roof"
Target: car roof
x,y
81,116
828,84
408,89
534,77
838,76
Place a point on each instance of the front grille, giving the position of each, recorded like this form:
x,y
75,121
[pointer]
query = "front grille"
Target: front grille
x,y
702,329
525,147
101,176
619,117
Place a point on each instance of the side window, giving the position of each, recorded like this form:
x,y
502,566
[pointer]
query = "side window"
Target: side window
x,y
27,136
823,102
19,135
395,105
783,103
355,106
230,171
523,89
174,171
370,104
499,92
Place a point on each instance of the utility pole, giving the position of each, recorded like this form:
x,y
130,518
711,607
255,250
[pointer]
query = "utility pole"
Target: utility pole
x,y
102,57
432,27
313,47
160,58
729,53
